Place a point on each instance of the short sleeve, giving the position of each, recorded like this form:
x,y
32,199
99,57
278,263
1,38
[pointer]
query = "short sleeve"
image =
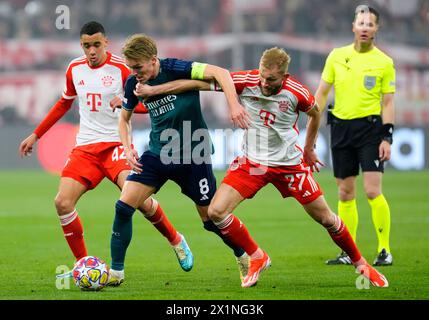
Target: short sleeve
x,y
130,100
306,100
69,91
388,84
328,73
177,68
243,79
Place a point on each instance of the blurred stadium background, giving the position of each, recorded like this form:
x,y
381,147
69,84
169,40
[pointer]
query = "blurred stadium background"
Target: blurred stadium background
x,y
34,54
230,33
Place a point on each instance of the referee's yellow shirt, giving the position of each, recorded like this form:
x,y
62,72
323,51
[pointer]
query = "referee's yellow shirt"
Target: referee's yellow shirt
x,y
360,80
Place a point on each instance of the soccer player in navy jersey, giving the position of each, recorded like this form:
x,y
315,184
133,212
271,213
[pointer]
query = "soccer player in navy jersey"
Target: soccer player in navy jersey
x,y
180,147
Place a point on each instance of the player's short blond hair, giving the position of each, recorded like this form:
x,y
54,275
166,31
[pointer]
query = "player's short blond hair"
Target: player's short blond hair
x,y
139,47
275,57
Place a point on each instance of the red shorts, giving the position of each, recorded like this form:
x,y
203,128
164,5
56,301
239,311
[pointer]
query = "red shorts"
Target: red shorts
x,y
89,164
248,178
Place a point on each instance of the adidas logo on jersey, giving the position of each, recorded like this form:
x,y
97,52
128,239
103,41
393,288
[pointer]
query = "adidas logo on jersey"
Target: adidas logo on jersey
x,y
306,194
204,197
81,83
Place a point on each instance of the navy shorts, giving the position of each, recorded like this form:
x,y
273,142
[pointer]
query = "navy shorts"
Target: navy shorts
x,y
196,181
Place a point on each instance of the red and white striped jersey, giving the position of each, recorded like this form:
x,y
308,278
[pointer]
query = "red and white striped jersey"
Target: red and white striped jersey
x,y
95,87
272,137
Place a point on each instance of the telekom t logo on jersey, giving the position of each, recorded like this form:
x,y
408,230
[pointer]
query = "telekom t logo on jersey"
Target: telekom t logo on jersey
x,y
267,117
93,100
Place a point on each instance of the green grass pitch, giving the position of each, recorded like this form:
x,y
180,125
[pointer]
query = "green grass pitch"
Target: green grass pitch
x,y
32,245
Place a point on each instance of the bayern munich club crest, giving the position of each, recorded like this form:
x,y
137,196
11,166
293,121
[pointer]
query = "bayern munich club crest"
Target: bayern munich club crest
x,y
107,81
284,105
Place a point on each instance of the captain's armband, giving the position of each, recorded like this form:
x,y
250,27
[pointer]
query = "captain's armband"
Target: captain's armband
x,y
197,72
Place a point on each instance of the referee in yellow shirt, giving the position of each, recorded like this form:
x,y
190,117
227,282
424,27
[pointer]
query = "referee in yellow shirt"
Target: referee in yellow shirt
x,y
361,125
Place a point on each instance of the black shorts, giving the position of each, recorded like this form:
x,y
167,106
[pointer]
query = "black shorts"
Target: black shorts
x,y
196,181
355,142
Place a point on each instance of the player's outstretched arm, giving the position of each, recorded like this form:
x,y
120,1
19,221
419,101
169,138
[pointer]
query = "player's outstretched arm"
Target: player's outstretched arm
x,y
173,87
56,113
322,94
238,114
125,135
388,114
26,146
116,102
313,123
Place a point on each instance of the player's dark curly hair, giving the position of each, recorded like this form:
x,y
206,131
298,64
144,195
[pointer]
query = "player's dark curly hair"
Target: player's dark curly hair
x,y
91,28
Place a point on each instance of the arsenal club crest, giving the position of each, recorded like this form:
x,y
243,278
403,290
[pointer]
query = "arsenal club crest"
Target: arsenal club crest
x,y
284,105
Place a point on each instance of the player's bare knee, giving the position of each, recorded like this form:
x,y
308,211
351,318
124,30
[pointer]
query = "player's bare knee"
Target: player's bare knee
x,y
216,212
144,211
323,216
324,221
148,207
372,193
328,220
346,194
63,205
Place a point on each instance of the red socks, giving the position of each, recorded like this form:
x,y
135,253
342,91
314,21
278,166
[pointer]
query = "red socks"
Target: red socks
x,y
232,228
73,232
341,236
161,222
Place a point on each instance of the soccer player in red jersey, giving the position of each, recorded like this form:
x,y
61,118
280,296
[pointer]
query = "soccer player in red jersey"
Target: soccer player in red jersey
x,y
273,99
96,79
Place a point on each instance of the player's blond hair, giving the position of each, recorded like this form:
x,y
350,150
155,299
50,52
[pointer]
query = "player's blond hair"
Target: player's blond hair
x,y
139,47
275,57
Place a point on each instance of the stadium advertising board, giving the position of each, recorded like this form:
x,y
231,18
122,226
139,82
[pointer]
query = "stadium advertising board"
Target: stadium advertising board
x,y
410,150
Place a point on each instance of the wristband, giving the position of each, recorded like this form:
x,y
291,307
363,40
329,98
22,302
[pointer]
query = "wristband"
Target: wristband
x,y
388,139
387,134
213,85
388,129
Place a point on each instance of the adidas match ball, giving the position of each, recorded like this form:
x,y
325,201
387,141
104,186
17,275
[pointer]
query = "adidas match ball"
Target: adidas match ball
x,y
91,273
